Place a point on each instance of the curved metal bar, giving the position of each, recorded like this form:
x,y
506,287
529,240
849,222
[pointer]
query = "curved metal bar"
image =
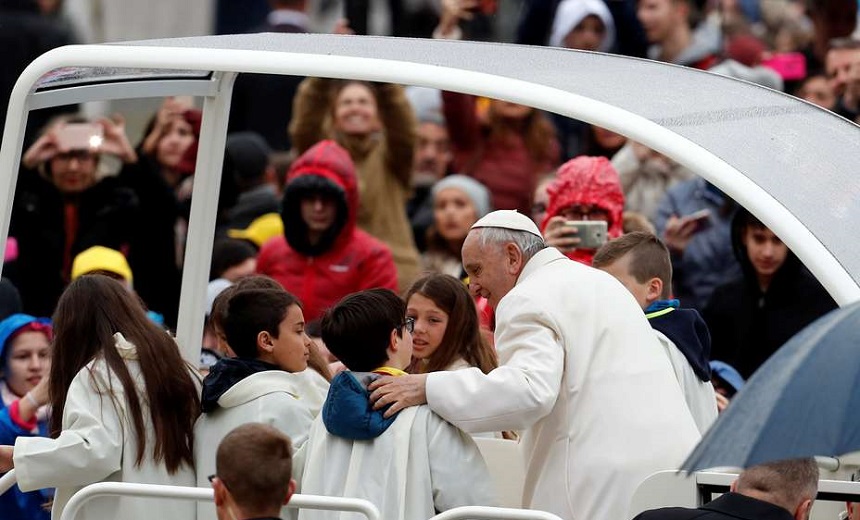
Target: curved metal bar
x,y
500,513
7,481
130,489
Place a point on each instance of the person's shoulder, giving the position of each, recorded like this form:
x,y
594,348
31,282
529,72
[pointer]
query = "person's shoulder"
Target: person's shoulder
x,y
677,513
368,244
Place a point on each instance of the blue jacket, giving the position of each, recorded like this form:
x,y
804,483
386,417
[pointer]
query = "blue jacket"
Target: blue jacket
x,y
348,412
15,504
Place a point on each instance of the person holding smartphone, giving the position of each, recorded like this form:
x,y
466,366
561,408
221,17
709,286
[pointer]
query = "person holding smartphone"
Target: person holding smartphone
x,y
584,207
63,207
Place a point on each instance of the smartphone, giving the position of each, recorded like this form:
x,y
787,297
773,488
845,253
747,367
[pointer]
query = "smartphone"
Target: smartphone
x,y
702,218
80,136
791,66
591,233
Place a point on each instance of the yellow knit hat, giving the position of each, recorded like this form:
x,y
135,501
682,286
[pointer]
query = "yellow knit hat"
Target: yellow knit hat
x,y
100,258
260,230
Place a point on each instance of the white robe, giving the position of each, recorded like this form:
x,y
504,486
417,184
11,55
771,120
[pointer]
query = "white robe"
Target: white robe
x,y
582,373
271,397
420,464
98,444
699,395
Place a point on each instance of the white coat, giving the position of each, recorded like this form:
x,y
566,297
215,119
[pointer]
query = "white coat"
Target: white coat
x,y
419,465
271,397
582,373
699,395
98,444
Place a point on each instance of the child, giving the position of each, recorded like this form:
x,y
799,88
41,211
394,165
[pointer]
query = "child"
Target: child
x,y
447,330
641,262
254,466
123,405
410,465
265,328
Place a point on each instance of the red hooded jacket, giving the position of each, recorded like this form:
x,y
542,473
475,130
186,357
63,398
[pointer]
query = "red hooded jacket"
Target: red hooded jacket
x,y
346,259
587,181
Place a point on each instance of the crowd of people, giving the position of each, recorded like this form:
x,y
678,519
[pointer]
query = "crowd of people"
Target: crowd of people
x,y
394,266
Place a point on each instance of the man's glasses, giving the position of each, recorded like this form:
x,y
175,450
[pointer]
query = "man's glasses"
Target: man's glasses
x,y
409,324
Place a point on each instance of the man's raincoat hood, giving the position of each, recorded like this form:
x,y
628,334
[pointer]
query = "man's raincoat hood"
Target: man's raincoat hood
x,y
587,181
326,168
348,412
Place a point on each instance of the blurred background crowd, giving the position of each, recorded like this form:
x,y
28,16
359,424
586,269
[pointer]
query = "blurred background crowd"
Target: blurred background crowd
x,y
331,187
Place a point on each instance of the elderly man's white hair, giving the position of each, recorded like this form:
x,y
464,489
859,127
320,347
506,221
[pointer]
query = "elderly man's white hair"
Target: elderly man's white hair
x,y
528,243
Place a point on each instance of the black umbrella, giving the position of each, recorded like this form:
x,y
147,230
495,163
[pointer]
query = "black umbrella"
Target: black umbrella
x,y
804,401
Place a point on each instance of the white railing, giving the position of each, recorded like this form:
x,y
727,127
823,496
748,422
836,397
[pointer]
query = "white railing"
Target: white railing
x,y
129,489
499,513
7,481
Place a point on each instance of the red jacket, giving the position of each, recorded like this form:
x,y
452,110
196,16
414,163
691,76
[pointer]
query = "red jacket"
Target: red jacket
x,y
346,259
587,181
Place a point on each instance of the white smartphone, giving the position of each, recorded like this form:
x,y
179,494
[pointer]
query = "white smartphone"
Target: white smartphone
x,y
591,233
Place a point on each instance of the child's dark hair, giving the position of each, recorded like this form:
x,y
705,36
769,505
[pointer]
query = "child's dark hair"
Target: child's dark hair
x,y
650,258
357,330
251,311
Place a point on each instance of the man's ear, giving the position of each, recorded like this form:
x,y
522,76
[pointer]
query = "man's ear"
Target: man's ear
x,y
291,489
393,345
655,289
804,510
220,491
513,259
734,486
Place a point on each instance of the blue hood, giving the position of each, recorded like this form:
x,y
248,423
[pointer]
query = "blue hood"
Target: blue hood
x,y
347,411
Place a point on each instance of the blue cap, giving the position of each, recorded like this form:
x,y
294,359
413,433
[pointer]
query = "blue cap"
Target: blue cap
x,y
13,324
726,372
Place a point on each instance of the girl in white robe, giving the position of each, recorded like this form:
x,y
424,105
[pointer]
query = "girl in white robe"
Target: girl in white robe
x,y
123,407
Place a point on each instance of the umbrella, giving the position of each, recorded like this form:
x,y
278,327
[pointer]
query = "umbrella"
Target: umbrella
x,y
804,401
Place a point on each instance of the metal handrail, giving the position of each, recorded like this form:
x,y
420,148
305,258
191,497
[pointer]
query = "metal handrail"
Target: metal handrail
x,y
7,481
500,513
131,489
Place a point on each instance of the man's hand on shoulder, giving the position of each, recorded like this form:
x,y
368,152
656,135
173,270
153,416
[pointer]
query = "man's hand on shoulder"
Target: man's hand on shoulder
x,y
400,392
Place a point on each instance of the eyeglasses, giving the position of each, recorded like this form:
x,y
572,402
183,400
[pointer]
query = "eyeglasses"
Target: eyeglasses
x,y
409,324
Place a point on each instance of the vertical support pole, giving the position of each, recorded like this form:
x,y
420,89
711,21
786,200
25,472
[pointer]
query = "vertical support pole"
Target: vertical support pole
x,y
201,224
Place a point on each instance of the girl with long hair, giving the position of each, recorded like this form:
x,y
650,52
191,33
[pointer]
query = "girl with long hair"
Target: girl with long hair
x,y
447,333
123,406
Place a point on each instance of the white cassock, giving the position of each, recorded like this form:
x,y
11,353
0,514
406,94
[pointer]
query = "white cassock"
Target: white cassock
x,y
583,374
98,444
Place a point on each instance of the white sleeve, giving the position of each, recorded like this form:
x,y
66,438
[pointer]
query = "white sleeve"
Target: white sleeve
x,y
88,450
458,472
522,390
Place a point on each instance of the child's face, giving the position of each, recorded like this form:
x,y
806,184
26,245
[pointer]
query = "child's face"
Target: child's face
x,y
318,212
620,269
292,346
430,325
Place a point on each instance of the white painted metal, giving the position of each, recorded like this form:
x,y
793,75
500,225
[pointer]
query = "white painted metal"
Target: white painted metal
x,y
810,250
498,513
201,226
128,489
7,481
130,90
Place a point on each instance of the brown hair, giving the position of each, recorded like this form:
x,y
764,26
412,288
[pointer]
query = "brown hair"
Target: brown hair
x,y
462,338
89,312
650,258
255,463
316,360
